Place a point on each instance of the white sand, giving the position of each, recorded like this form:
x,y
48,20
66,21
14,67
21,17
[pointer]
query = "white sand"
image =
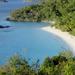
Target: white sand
x,y
69,39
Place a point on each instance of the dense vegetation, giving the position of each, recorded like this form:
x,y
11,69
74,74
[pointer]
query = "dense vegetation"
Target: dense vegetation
x,y
56,65
60,11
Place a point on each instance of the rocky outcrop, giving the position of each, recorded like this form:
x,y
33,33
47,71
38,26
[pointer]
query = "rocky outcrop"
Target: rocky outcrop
x,y
4,26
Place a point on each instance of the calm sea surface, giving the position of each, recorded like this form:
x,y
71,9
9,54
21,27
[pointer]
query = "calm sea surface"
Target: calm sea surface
x,y
26,38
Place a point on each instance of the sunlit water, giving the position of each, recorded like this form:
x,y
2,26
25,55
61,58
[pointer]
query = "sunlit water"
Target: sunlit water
x,y
26,38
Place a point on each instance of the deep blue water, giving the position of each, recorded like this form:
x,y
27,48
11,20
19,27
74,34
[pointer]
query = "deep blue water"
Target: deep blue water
x,y
26,38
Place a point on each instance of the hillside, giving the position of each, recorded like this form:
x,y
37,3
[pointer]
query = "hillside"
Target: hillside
x,y
60,11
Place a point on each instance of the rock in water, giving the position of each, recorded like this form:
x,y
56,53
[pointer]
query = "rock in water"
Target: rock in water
x,y
4,26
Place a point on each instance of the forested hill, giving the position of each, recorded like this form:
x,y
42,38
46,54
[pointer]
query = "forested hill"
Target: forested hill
x,y
60,11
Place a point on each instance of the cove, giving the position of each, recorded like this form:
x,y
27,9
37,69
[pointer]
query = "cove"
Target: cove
x,y
29,40
26,38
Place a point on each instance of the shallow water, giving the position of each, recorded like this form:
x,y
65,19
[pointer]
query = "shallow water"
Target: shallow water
x,y
26,38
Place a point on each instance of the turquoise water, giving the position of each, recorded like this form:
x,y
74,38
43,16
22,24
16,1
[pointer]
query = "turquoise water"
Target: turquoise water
x,y
26,38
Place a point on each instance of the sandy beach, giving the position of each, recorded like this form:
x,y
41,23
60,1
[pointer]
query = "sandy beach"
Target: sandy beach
x,y
69,39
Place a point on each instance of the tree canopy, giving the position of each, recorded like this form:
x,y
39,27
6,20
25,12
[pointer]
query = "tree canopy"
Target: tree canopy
x,y
56,65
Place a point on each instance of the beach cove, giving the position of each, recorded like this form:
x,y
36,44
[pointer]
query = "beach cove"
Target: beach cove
x,y
33,40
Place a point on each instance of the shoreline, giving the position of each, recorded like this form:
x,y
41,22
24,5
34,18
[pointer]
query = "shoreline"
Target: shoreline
x,y
69,39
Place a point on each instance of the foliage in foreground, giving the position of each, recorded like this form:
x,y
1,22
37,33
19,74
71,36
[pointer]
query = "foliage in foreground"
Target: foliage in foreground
x,y
56,65
60,11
